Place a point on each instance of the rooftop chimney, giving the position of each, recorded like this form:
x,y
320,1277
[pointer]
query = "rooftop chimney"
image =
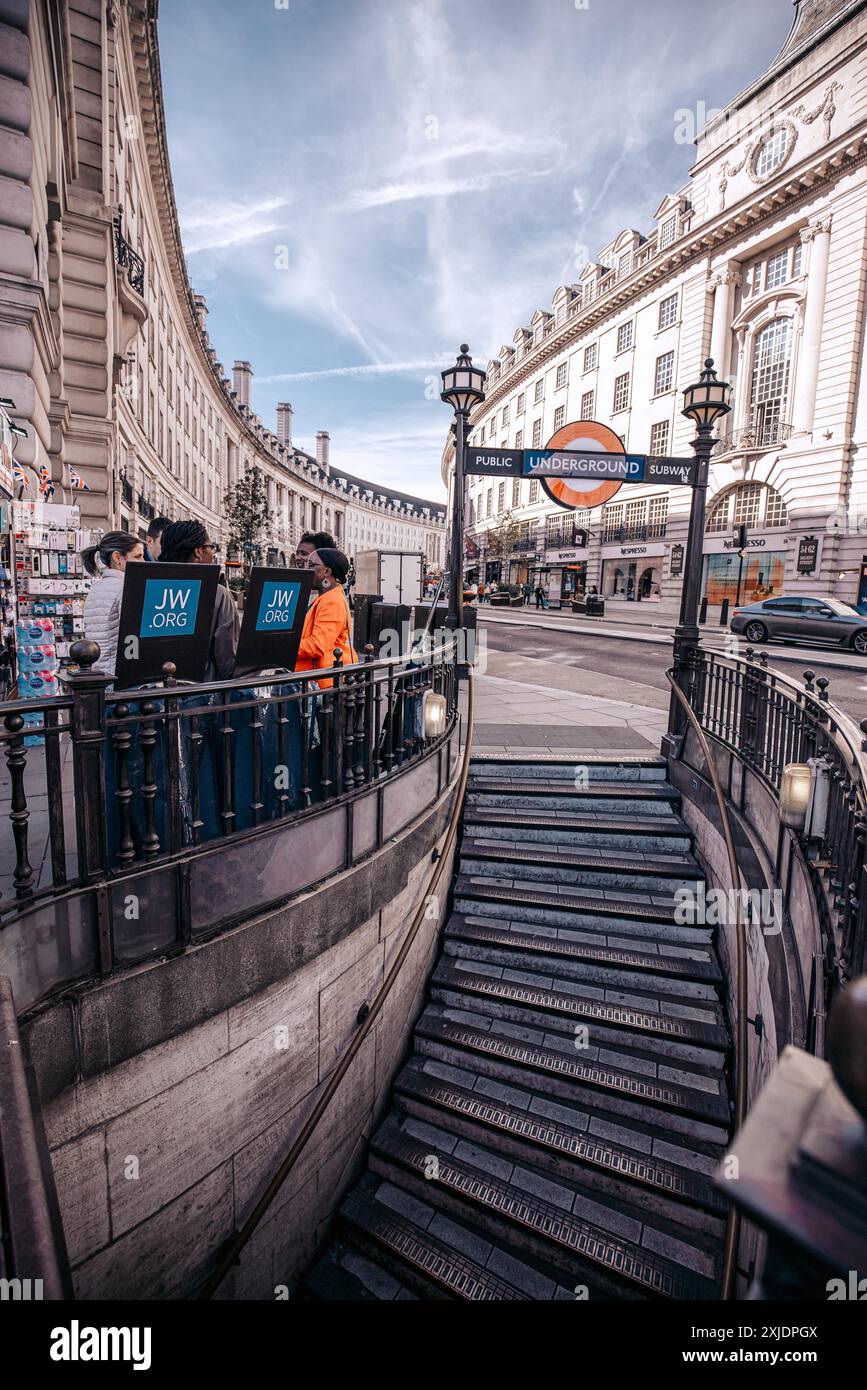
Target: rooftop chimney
x,y
242,377
284,422
201,311
323,440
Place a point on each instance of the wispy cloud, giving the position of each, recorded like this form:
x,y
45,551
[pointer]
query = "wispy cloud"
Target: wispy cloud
x,y
214,226
360,370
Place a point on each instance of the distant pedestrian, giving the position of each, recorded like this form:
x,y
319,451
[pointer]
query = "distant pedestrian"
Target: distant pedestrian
x,y
540,595
527,592
481,592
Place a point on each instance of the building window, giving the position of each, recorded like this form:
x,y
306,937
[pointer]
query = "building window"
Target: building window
x,y
754,504
534,490
777,271
769,386
590,357
489,503
657,515
519,439
624,264
664,373
561,375
492,428
501,497
668,311
659,437
587,405
559,417
539,391
667,232
612,521
519,408
621,392
516,492
505,416
537,434
772,153
624,336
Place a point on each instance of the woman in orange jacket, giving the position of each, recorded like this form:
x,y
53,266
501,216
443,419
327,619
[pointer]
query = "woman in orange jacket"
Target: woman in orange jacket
x,y
326,625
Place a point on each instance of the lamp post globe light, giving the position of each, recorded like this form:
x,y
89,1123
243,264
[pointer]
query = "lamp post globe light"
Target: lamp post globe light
x,y
704,403
463,387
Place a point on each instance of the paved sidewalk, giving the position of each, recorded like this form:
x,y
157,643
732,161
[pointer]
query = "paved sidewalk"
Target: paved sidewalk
x,y
524,703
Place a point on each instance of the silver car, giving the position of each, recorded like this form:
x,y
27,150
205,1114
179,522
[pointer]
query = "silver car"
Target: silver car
x,y
813,620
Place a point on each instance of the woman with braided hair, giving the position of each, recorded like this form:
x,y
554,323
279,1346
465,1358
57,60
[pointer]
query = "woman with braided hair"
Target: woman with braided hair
x,y
188,543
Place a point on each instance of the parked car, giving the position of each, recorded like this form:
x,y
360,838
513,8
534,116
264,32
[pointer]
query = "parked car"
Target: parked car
x,y
813,620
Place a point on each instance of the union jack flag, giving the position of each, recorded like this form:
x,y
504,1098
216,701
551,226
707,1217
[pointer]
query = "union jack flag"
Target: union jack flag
x,y
46,486
18,473
76,480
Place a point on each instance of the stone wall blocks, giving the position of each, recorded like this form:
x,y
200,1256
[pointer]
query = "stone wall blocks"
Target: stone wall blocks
x,y
81,1178
16,104
16,200
17,253
339,1003
166,1256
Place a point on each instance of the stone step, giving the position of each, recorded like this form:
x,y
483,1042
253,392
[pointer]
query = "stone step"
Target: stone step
x,y
653,968
561,864
535,1000
534,793
544,1218
590,1083
536,907
647,834
600,766
559,1141
343,1275
614,902
426,1252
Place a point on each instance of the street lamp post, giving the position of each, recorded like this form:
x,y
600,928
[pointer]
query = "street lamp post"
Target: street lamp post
x,y
705,402
463,387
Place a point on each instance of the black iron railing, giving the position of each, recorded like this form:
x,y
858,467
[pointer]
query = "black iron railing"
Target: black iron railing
x,y
762,435
126,492
769,721
648,531
145,508
113,796
128,260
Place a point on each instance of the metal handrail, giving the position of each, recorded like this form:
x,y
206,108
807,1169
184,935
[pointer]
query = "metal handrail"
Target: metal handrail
x,y
231,1254
730,1250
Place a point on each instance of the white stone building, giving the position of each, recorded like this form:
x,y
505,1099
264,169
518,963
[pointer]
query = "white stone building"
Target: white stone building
x,y
104,346
759,261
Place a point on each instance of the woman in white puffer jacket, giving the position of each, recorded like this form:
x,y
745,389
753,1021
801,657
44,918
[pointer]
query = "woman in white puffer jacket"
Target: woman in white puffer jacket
x,y
107,561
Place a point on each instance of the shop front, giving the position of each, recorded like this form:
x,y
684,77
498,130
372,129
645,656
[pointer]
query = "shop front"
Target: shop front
x,y
758,574
632,573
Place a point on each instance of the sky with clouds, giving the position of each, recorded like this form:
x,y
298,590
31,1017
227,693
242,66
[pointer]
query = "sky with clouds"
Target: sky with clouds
x,y
364,184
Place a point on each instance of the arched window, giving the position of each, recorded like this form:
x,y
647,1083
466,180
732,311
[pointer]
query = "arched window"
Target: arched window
x,y
753,504
769,387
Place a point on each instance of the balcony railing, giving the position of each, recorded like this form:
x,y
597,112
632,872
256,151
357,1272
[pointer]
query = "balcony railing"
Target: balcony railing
x,y
126,492
128,260
763,436
145,508
651,531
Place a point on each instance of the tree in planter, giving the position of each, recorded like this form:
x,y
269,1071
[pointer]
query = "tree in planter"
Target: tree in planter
x,y
247,515
502,540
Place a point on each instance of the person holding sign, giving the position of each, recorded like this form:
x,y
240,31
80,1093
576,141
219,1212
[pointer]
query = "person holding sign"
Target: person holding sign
x,y
326,624
187,542
107,561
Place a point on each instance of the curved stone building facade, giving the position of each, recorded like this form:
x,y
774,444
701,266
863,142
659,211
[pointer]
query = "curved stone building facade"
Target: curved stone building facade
x,y
104,346
758,260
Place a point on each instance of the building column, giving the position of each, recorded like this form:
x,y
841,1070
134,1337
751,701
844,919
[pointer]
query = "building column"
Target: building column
x,y
723,284
817,237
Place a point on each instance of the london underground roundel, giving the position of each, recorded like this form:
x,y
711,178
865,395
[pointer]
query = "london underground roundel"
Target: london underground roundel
x,y
579,492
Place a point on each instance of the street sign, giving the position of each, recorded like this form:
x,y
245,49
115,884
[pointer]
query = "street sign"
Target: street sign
x,y
499,463
580,457
808,554
274,612
165,615
676,561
